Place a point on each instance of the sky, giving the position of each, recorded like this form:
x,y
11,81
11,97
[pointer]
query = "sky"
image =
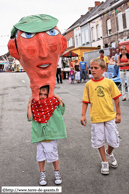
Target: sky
x,y
66,11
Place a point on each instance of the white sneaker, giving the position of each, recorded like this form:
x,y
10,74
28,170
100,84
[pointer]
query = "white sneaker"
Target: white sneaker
x,y
105,168
111,159
58,179
42,180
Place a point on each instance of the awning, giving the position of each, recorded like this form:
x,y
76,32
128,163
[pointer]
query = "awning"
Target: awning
x,y
69,54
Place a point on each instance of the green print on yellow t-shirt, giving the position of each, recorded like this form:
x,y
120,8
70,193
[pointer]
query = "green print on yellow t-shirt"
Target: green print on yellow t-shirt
x,y
100,91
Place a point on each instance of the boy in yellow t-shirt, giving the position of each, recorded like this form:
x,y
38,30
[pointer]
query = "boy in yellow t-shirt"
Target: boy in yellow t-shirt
x,y
99,92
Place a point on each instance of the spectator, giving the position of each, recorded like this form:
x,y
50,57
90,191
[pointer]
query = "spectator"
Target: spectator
x,y
116,67
71,74
70,63
89,74
116,55
112,61
58,73
77,71
101,52
123,63
109,58
83,67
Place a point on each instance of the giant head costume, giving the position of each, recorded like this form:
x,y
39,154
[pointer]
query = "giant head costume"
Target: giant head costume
x,y
37,43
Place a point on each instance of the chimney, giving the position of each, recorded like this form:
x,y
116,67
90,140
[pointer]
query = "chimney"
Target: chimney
x,y
89,8
97,3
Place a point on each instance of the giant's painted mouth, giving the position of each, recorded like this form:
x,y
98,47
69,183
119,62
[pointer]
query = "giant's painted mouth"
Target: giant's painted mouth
x,y
44,65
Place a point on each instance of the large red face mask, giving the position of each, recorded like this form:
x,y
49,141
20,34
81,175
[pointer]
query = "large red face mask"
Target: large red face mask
x,y
39,54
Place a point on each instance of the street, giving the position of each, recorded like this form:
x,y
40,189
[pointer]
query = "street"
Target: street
x,y
79,163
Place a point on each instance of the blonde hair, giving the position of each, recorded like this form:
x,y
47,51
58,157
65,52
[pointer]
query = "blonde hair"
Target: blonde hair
x,y
101,62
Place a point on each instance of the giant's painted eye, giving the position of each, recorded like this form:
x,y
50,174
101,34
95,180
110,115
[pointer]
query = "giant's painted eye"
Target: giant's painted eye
x,y
27,35
52,32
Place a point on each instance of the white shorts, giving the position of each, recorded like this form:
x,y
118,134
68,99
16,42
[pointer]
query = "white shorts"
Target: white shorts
x,y
47,151
77,75
106,130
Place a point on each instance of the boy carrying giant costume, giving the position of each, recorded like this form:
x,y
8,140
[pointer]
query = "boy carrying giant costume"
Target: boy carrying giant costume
x,y
37,43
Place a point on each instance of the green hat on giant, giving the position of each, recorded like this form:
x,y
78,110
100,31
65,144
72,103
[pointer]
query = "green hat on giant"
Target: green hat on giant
x,y
34,24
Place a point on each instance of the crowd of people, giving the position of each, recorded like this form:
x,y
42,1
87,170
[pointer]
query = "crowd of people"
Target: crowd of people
x,y
79,70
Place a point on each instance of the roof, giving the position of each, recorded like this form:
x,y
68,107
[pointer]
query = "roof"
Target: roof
x,y
95,12
92,14
69,54
83,18
108,5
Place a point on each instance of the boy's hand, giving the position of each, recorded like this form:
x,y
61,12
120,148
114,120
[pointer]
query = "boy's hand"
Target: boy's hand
x,y
59,99
30,102
83,120
118,118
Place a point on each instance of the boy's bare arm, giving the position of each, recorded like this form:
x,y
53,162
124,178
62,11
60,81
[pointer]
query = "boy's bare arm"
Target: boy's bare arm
x,y
59,99
106,66
118,111
84,109
29,112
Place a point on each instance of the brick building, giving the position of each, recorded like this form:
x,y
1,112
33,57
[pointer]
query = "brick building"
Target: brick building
x,y
70,39
107,24
115,23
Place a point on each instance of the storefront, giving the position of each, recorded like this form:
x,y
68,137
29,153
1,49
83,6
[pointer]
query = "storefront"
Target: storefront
x,y
81,50
69,55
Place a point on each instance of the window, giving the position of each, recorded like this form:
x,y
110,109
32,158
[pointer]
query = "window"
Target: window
x,y
121,40
76,41
127,18
83,39
113,45
97,30
106,45
67,43
87,36
79,40
70,42
120,22
92,34
109,27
